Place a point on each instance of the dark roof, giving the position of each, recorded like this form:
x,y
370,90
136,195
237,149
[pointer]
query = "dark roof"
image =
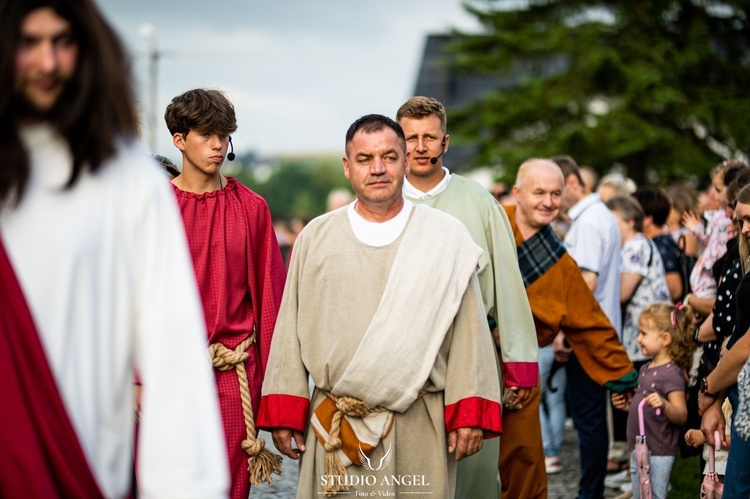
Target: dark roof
x,y
437,80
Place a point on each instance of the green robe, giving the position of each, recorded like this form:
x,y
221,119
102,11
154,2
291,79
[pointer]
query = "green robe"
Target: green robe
x,y
504,297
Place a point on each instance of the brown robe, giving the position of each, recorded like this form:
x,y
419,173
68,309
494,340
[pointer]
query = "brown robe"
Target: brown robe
x,y
560,301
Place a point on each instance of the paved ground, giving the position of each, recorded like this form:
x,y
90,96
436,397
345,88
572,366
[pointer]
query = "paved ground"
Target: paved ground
x,y
564,485
561,486
284,486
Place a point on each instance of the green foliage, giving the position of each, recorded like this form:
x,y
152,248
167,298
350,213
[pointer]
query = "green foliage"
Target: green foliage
x,y
652,85
297,187
686,478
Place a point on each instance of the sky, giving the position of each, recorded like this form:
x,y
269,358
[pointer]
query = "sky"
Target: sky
x,y
298,72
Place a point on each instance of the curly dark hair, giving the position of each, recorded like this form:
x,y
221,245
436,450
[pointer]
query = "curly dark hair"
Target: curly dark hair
x,y
203,110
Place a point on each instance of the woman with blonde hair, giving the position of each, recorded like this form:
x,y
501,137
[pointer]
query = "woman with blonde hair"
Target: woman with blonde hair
x,y
615,184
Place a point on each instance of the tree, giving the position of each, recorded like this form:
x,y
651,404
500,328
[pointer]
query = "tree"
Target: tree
x,y
658,87
298,187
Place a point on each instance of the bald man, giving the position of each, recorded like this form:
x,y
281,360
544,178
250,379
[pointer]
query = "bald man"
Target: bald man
x,y
560,301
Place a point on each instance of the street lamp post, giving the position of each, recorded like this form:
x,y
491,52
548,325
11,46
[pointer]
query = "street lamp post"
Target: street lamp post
x,y
147,32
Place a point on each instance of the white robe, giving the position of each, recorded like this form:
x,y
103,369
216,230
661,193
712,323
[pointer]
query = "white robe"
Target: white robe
x,y
107,276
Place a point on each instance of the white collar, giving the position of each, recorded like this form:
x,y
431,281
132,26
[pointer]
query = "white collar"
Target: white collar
x,y
578,208
414,193
379,233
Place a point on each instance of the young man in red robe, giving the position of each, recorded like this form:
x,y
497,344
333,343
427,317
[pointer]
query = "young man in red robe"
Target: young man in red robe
x,y
239,270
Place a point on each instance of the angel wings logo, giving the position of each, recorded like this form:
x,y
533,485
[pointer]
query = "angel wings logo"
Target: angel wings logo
x,y
367,464
382,479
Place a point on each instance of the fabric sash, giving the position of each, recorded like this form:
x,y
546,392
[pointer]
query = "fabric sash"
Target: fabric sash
x,y
41,456
538,254
399,348
359,436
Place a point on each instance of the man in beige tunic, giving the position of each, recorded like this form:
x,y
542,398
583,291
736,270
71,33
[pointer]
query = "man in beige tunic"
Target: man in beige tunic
x,y
382,310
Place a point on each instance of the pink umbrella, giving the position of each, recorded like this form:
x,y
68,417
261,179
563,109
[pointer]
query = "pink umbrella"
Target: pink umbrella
x,y
712,488
643,456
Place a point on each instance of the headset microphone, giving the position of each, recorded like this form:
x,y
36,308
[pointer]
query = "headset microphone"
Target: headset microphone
x,y
434,159
231,155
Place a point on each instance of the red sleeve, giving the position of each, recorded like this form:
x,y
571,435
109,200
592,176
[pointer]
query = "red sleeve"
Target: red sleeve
x,y
521,374
266,272
475,412
283,411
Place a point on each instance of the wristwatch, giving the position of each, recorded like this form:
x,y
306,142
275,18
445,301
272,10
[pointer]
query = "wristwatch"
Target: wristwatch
x,y
704,390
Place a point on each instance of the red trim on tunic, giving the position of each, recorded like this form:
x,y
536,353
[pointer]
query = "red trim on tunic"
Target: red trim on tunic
x,y
475,412
283,411
40,453
521,374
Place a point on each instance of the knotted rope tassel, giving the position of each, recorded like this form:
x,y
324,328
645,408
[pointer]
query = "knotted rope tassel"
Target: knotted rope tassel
x,y
262,462
346,406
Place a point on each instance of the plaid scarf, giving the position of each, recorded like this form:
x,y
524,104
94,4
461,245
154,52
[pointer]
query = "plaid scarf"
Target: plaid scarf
x,y
538,253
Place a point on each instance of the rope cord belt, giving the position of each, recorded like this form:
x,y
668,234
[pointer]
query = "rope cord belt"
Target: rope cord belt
x,y
262,462
346,406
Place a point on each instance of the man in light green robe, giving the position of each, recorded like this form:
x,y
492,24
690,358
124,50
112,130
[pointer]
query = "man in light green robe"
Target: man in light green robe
x,y
503,293
348,321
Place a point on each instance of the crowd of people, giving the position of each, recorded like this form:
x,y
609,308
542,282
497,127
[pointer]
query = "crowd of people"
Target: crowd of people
x,y
421,337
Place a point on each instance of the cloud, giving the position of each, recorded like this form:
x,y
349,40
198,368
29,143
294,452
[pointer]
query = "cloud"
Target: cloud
x,y
298,72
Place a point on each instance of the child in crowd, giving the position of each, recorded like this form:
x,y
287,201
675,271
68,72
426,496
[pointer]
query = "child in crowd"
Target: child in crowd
x,y
665,334
683,199
714,237
695,437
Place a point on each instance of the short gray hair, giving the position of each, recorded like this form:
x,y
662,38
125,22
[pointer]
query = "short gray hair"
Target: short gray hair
x,y
629,210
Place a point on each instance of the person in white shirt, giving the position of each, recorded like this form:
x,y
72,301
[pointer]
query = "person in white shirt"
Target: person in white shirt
x,y
594,243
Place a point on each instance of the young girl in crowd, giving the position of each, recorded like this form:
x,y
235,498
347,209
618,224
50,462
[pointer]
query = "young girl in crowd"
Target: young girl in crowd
x,y
696,437
683,199
719,230
665,334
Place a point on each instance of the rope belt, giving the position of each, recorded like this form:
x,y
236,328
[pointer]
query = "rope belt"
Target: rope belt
x,y
262,462
346,406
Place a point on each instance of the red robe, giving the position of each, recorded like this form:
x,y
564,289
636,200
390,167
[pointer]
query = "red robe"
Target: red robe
x,y
40,456
241,278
